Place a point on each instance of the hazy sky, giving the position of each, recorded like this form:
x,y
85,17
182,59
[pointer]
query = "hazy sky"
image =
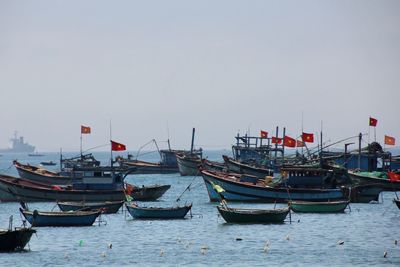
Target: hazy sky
x,y
219,66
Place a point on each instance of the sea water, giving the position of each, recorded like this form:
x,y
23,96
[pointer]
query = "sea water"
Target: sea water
x,y
360,237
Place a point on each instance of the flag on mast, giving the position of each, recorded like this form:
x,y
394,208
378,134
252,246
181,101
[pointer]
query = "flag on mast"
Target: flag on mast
x,y
85,129
391,141
373,122
115,146
263,134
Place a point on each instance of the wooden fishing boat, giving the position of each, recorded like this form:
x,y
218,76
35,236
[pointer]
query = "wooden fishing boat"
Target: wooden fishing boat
x,y
107,207
188,164
213,165
397,202
377,178
168,163
240,215
27,190
15,240
55,218
48,163
362,193
247,188
239,167
146,193
41,175
318,206
178,212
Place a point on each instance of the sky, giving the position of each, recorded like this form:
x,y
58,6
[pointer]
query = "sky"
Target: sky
x,y
156,69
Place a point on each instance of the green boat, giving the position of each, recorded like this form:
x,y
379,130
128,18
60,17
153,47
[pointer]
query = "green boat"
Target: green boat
x,y
235,215
318,207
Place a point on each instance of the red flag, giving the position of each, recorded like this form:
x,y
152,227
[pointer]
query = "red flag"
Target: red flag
x,y
85,129
289,141
264,134
276,140
390,140
394,177
307,137
300,143
117,146
373,122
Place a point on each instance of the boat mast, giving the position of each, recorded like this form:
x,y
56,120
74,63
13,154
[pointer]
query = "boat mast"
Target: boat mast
x,y
283,146
359,150
191,147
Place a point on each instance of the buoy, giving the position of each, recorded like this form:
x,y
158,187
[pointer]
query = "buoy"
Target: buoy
x,y
238,239
395,242
385,254
340,242
80,243
266,247
110,246
161,252
298,220
103,254
287,237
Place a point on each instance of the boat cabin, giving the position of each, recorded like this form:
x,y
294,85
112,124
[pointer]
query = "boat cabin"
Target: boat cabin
x,y
98,178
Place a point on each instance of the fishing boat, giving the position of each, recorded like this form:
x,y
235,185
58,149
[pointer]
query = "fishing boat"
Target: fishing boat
x,y
397,202
41,175
107,207
362,193
247,188
238,167
55,218
178,212
146,193
318,206
240,215
14,239
377,177
188,164
48,163
167,164
27,190
213,165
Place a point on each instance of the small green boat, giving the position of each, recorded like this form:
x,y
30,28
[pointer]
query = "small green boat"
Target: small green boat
x,y
319,207
235,215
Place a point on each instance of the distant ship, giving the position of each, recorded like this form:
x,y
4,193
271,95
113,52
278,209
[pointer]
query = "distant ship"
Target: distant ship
x,y
18,146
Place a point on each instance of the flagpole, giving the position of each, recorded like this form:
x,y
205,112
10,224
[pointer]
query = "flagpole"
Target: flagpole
x,y
375,133
111,154
81,143
302,131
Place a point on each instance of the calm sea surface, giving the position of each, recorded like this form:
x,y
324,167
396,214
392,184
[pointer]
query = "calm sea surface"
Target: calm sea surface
x,y
368,231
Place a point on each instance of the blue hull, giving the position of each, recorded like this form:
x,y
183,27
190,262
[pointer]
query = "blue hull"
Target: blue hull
x,y
246,192
158,213
60,218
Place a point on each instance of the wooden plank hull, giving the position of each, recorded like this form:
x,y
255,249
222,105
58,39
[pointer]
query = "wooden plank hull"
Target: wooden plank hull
x,y
158,213
80,218
15,240
318,207
188,166
143,167
238,167
385,184
41,175
232,215
29,191
149,193
248,192
107,207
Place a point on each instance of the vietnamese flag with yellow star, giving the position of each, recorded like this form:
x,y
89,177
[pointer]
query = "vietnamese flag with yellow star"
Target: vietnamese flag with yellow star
x,y
85,129
307,137
391,141
276,140
263,134
115,146
289,141
373,122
